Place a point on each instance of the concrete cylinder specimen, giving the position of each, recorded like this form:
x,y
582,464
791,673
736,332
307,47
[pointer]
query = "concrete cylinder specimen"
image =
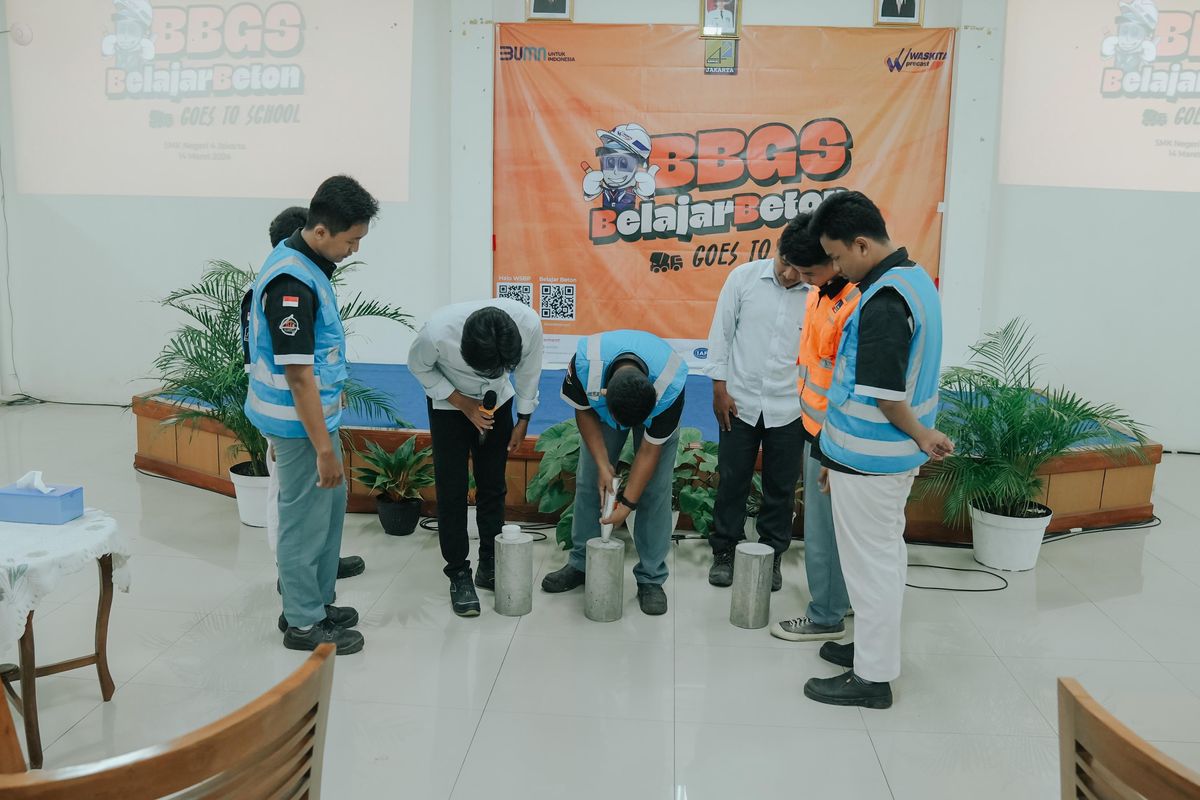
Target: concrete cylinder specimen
x,y
514,572
750,605
604,589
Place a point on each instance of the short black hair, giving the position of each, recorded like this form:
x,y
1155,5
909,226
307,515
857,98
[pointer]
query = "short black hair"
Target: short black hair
x,y
491,342
341,203
630,397
286,223
845,216
798,247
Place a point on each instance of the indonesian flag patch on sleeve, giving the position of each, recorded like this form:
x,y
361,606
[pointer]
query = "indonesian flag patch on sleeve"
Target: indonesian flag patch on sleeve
x,y
291,301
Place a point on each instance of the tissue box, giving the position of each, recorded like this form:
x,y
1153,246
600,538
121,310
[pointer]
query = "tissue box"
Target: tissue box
x,y
61,505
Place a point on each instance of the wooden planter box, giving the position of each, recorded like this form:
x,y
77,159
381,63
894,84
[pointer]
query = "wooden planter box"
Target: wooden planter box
x,y
1086,490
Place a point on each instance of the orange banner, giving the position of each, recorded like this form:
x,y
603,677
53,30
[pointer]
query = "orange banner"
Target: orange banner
x,y
628,183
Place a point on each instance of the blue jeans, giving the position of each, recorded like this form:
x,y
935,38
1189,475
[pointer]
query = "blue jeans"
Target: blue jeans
x,y
652,531
310,531
830,602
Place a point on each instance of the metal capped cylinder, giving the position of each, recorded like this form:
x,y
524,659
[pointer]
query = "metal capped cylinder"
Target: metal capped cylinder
x,y
750,605
604,588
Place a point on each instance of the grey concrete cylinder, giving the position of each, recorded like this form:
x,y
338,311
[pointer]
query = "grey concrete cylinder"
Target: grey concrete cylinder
x,y
514,572
604,588
750,606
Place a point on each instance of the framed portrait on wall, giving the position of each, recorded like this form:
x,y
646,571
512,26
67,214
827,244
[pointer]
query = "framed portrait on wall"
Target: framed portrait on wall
x,y
720,19
549,9
899,12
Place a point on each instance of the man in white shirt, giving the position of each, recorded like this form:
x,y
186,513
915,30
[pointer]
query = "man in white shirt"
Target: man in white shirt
x,y
719,21
463,352
752,352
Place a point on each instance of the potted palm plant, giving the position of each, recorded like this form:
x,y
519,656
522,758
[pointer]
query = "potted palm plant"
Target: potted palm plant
x,y
1006,425
202,371
398,477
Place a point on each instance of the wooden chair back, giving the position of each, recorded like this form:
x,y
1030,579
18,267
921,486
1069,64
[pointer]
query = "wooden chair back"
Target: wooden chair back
x,y
271,748
11,760
1101,759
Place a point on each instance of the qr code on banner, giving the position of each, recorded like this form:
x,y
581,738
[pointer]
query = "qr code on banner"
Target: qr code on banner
x,y
558,301
521,292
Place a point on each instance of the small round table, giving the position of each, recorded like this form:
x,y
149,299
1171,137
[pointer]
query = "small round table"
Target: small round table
x,y
33,559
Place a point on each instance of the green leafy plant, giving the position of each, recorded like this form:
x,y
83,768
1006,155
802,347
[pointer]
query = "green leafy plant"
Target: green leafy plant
x,y
398,475
201,366
693,483
552,488
1006,425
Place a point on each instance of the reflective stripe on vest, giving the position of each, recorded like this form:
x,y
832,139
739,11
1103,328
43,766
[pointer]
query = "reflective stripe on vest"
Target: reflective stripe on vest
x,y
595,354
818,376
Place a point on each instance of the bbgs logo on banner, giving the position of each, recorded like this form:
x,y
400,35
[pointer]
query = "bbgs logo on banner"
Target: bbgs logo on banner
x,y
909,60
1144,55
645,183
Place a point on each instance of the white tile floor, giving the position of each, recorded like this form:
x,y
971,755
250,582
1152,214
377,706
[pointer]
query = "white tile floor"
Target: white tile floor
x,y
551,705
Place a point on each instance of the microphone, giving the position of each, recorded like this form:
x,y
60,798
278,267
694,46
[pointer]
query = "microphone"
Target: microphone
x,y
489,406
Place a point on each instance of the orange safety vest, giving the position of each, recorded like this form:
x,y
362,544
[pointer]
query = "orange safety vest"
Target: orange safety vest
x,y
824,319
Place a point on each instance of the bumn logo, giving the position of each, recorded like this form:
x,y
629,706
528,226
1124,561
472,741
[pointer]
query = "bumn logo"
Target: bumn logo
x,y
510,53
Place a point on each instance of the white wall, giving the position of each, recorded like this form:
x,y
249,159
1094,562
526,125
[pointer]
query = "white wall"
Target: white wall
x,y
85,271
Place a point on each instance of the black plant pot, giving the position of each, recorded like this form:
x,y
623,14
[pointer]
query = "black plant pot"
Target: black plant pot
x,y
399,518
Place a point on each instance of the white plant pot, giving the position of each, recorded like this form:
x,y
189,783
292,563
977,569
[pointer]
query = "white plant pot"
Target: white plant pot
x,y
251,495
629,521
1007,543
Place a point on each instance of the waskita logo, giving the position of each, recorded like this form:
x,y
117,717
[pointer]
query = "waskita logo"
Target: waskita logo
x,y
509,52
915,60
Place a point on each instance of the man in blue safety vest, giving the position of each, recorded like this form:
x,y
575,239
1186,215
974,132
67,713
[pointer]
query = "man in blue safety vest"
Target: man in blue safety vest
x,y
297,364
617,382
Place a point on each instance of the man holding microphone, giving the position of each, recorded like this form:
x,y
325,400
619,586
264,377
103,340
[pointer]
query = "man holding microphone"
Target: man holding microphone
x,y
463,356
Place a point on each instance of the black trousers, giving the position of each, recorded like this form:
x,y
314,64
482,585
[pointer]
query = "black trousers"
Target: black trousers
x,y
783,461
455,440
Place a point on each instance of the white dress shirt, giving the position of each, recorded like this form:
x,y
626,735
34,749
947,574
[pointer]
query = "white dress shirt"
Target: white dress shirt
x,y
435,358
718,21
754,343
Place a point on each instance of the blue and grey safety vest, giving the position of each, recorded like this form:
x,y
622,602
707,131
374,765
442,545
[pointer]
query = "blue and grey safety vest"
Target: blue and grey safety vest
x,y
595,354
856,433
269,402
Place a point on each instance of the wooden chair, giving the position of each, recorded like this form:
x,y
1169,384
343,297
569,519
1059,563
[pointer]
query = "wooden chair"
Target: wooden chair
x,y
1101,759
271,748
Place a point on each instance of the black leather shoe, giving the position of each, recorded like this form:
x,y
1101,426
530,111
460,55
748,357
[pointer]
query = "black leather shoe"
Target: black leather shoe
x,y
777,573
840,654
563,580
721,571
463,599
848,689
485,573
652,599
347,641
350,566
342,616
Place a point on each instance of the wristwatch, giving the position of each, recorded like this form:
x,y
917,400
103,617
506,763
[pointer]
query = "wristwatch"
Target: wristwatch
x,y
625,501
524,417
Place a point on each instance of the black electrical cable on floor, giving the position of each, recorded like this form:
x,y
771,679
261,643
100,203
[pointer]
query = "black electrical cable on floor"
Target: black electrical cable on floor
x,y
1003,580
23,399
532,528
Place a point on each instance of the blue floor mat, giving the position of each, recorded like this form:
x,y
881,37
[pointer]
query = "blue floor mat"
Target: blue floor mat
x,y
397,382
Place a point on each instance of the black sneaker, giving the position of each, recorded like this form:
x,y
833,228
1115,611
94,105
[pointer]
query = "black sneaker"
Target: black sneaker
x,y
563,580
840,654
652,599
350,566
342,616
463,599
721,571
485,573
347,641
848,689
803,629
777,573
